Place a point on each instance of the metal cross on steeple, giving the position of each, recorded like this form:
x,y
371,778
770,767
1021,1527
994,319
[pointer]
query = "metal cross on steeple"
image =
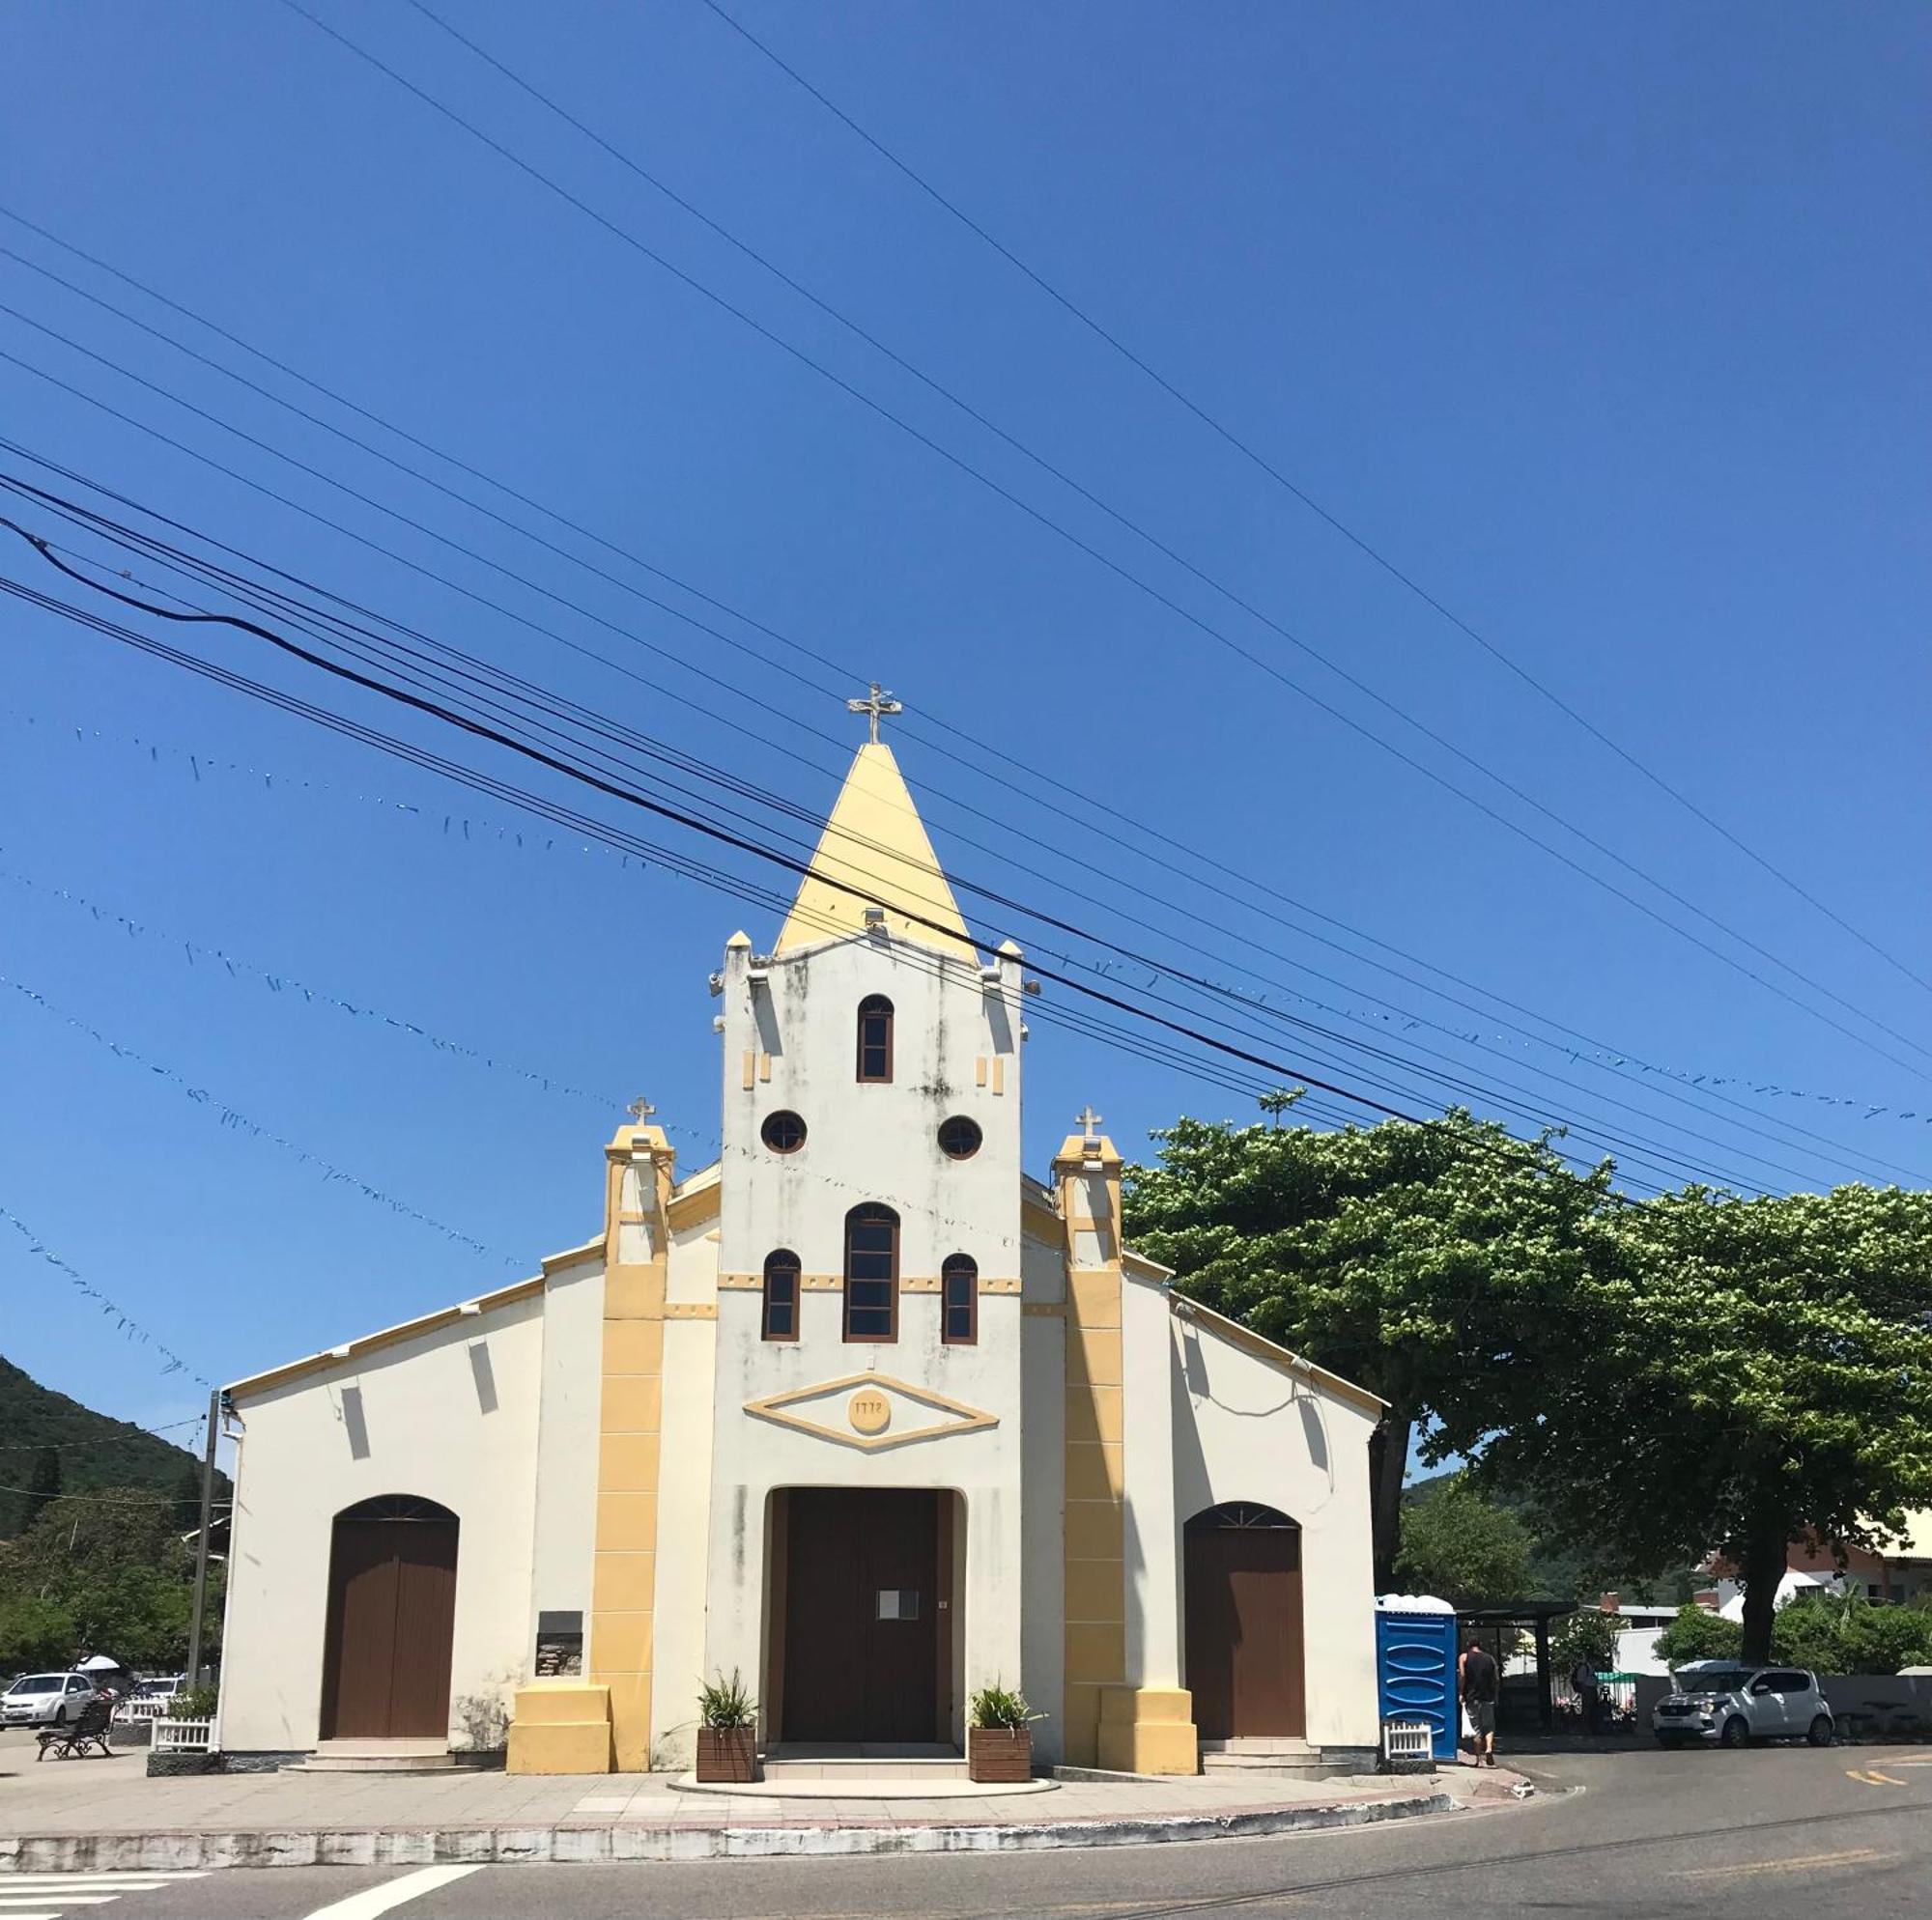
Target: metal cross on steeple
x,y
1090,1123
876,707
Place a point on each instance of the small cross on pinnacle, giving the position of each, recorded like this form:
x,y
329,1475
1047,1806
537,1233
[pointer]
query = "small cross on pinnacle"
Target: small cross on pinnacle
x,y
1090,1123
640,1109
876,707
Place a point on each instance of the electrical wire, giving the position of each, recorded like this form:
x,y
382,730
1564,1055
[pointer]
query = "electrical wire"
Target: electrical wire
x,y
1250,453
1708,1095
1260,662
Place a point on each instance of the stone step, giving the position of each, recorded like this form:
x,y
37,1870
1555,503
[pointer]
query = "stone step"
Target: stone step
x,y
1289,1757
378,1756
857,1767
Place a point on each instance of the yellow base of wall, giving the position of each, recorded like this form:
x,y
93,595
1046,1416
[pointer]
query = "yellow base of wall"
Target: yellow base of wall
x,y
560,1726
1148,1730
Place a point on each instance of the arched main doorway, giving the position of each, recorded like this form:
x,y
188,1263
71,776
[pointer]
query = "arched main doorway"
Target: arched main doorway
x,y
1244,1652
391,1620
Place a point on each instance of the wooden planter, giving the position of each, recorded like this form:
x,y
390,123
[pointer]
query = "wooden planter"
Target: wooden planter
x,y
728,1755
1001,1754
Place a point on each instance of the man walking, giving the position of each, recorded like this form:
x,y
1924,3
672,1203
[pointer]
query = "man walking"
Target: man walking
x,y
1479,1680
1583,1680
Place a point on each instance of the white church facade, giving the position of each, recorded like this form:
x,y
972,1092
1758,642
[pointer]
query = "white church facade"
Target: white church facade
x,y
861,1410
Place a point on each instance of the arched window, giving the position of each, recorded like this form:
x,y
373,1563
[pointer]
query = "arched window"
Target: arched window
x,y
960,1301
875,1038
780,1295
871,1273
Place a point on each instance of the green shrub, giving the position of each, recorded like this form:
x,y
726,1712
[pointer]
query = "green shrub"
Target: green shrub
x,y
1590,1632
725,1704
1697,1635
195,1702
1001,1707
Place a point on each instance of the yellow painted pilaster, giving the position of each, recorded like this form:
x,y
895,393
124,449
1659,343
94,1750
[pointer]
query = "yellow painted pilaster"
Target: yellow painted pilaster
x,y
1087,1171
638,1166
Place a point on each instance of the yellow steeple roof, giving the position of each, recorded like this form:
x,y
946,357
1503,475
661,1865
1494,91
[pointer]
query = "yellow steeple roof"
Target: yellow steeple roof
x,y
874,852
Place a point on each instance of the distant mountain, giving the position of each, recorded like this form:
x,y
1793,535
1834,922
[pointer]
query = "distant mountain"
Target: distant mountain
x,y
95,1451
1569,1574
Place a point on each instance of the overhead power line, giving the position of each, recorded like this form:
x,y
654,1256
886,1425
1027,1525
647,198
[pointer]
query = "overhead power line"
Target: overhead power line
x,y
1265,665
794,865
1300,492
1536,1115
1628,1145
1701,1095
497,566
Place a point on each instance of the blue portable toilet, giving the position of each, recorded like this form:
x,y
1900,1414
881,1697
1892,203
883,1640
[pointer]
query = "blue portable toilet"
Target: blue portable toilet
x,y
1416,1666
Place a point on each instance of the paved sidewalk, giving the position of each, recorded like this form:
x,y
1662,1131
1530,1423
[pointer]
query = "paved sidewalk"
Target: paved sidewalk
x,y
103,1815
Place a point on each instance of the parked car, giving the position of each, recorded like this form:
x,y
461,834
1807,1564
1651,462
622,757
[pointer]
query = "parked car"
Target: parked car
x,y
46,1700
1726,1703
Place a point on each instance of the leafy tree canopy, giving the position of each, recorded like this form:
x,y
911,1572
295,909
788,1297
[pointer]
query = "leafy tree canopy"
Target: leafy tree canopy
x,y
1729,1374
1369,1250
1459,1547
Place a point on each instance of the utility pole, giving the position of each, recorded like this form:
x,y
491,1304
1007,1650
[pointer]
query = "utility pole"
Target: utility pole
x,y
201,1540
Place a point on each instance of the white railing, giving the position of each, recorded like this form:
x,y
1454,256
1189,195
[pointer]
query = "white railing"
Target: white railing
x,y
152,1706
184,1736
1407,1739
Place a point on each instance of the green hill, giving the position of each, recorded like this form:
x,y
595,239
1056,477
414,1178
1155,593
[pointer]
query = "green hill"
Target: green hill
x,y
94,1450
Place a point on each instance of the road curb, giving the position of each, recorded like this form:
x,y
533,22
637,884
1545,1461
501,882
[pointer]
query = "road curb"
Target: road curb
x,y
587,1843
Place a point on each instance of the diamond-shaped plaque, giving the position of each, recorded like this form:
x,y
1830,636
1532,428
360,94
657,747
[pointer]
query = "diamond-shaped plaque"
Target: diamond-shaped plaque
x,y
871,1411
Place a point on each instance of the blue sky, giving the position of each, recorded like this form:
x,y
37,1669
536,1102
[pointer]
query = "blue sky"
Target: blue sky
x,y
1608,328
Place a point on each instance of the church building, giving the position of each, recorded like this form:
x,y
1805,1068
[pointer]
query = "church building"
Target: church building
x,y
862,1411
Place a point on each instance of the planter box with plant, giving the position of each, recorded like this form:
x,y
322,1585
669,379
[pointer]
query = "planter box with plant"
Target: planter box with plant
x,y
728,1732
999,1736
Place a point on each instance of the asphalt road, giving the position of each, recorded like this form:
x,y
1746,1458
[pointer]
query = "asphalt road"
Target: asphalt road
x,y
1827,1835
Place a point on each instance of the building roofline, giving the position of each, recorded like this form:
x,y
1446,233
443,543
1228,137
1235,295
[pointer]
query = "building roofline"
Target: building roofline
x,y
1272,1351
426,1324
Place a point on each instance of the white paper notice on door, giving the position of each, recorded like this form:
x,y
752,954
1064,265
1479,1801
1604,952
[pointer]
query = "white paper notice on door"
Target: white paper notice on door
x,y
898,1603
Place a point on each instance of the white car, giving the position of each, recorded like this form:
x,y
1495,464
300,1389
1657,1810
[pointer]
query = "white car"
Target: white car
x,y
46,1700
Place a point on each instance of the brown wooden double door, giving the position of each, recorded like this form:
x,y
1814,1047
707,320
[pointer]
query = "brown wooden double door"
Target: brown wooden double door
x,y
1244,1646
866,1622
391,1620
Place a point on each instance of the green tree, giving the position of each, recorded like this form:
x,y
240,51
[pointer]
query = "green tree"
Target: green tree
x,y
1590,1632
1458,1547
1845,1633
44,1485
1729,1374
1697,1635
1397,1254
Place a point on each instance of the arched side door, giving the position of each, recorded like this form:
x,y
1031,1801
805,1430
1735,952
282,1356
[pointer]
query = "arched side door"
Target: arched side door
x,y
1244,1646
391,1620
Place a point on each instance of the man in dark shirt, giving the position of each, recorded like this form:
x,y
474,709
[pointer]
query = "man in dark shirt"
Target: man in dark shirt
x,y
1478,1676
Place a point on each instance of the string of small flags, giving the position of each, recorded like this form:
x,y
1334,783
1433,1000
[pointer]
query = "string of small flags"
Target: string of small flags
x,y
458,826
234,1118
124,1323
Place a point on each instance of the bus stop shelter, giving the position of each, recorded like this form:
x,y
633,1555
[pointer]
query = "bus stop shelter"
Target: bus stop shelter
x,y
1500,1627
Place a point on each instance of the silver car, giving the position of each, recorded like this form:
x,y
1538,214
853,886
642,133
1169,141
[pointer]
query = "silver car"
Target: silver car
x,y
1730,1703
44,1700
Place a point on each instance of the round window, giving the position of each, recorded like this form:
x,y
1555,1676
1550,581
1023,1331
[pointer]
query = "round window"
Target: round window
x,y
782,1132
959,1137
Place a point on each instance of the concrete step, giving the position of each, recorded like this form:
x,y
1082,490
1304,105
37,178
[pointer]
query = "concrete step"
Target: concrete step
x,y
865,1767
378,1756
1251,1754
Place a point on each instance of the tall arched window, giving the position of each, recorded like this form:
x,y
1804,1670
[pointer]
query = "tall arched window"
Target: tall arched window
x,y
871,1273
875,1038
960,1301
780,1295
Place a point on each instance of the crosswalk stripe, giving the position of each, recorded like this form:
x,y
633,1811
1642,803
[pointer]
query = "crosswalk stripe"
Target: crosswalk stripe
x,y
46,1896
377,1900
128,1877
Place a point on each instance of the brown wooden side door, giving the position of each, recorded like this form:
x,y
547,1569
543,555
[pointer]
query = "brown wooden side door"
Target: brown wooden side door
x,y
854,1671
1244,1639
391,1622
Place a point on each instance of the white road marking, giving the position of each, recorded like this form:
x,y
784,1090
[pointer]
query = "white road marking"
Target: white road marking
x,y
374,1900
127,1879
47,1896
